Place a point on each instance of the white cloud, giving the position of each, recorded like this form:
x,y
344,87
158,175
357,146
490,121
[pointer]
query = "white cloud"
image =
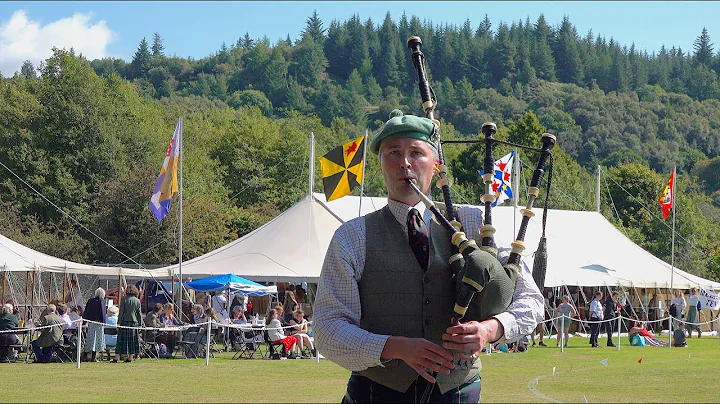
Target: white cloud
x,y
24,39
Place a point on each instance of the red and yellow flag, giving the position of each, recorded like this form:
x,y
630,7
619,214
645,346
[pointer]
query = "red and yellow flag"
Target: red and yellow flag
x,y
667,198
342,168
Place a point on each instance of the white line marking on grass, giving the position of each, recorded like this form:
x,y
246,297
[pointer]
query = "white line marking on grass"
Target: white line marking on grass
x,y
533,387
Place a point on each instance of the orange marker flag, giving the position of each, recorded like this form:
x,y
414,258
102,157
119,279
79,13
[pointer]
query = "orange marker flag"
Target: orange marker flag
x,y
640,360
667,198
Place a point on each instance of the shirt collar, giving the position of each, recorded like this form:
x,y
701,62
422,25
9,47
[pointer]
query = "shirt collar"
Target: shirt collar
x,y
400,211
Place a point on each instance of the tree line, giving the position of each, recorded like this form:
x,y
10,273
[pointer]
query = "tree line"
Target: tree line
x,y
91,134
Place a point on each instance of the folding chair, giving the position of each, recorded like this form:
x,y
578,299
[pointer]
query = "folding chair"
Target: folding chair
x,y
247,345
274,349
148,347
190,342
66,349
108,348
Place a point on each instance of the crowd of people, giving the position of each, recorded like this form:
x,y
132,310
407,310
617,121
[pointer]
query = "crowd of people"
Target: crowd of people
x,y
163,329
645,311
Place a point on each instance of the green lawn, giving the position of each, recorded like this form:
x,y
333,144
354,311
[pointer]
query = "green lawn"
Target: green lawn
x,y
680,375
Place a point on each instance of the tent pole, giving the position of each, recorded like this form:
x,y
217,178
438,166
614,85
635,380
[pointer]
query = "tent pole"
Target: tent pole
x,y
597,190
362,183
3,283
180,193
27,284
311,171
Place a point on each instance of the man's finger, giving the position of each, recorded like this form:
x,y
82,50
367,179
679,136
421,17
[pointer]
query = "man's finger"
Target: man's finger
x,y
423,373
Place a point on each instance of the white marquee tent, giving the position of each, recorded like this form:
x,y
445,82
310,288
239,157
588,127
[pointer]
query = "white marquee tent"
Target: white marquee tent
x,y
584,249
15,257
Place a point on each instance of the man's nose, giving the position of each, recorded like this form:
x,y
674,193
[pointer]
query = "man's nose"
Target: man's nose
x,y
405,161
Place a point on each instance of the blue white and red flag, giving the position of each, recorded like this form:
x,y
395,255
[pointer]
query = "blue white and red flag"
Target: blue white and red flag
x,y
501,181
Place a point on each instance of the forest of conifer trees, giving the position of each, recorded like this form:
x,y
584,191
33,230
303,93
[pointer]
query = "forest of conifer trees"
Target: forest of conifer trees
x,y
91,134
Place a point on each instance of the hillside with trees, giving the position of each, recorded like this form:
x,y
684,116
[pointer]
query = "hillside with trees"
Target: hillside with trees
x,y
90,135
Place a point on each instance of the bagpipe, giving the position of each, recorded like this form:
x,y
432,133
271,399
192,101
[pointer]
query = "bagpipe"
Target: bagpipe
x,y
478,272
476,267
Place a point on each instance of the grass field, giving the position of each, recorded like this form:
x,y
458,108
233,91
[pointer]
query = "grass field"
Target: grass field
x,y
680,375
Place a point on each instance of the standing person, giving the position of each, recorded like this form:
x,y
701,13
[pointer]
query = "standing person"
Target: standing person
x,y
611,312
128,340
652,313
74,296
43,345
381,314
596,314
692,313
540,328
567,311
95,314
679,311
289,306
219,304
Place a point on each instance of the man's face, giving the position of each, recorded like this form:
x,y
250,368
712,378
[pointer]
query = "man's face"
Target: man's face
x,y
403,158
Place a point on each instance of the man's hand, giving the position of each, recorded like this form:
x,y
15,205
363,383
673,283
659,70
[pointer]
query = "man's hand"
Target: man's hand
x,y
420,354
472,336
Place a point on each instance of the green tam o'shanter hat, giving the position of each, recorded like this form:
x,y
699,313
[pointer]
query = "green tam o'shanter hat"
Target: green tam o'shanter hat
x,y
400,125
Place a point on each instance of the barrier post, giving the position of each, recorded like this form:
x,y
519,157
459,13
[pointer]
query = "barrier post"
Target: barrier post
x,y
561,333
207,348
618,328
78,341
718,330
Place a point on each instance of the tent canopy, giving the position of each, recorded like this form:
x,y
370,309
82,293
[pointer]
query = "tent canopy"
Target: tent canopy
x,y
15,257
233,283
584,249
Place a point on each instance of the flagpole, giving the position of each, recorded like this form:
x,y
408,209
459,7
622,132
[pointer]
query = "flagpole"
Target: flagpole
x,y
180,235
362,183
311,170
672,247
516,188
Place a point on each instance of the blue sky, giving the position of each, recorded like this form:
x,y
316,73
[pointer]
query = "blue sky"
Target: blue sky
x,y
197,29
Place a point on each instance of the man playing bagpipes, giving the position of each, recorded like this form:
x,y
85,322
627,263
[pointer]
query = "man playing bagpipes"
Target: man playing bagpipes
x,y
386,292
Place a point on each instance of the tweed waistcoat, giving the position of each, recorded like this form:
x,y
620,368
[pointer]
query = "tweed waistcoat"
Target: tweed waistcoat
x,y
398,298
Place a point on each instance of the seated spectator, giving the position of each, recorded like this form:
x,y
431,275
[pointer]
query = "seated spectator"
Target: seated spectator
x,y
43,345
281,316
679,335
61,310
198,314
275,332
112,320
237,317
167,317
522,344
8,321
637,330
300,331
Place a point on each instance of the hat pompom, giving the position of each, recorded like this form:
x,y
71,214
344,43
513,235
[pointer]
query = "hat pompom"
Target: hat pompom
x,y
395,113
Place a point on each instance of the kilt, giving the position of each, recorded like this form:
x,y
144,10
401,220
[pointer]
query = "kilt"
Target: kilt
x,y
128,341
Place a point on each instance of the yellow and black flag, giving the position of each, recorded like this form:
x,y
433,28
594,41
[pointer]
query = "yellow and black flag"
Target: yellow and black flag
x,y
342,168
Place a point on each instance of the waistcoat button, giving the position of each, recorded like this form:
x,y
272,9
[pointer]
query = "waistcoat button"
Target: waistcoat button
x,y
427,300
